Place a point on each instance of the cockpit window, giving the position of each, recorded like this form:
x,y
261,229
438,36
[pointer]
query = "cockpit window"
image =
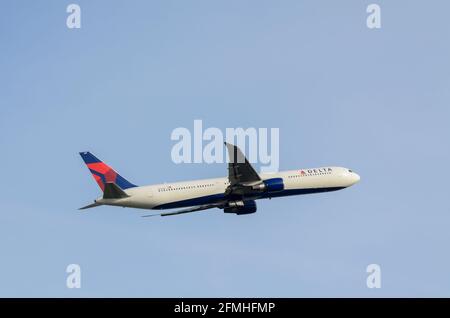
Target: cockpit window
x,y
350,171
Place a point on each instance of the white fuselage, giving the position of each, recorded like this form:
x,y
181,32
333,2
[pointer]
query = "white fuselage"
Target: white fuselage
x,y
207,191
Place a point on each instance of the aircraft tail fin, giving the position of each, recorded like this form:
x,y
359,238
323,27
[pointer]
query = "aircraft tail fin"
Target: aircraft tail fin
x,y
104,174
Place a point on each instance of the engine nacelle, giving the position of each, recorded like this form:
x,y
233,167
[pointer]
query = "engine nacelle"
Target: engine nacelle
x,y
241,207
273,185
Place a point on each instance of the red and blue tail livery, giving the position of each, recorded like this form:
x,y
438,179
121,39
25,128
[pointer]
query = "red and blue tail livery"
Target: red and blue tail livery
x,y
103,173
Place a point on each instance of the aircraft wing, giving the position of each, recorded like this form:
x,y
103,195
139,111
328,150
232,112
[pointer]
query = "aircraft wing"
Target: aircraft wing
x,y
239,169
188,210
240,172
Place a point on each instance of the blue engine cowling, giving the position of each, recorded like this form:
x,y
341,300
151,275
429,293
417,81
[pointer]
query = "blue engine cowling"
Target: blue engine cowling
x,y
248,207
273,185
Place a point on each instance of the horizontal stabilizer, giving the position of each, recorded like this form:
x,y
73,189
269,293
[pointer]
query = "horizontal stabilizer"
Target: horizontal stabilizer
x,y
93,205
112,191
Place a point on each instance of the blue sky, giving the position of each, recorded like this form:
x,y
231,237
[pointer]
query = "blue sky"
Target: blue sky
x,y
376,101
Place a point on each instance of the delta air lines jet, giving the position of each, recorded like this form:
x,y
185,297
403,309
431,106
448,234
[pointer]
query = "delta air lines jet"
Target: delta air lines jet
x,y
236,193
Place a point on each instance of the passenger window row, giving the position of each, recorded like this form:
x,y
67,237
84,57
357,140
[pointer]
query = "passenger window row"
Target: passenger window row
x,y
185,187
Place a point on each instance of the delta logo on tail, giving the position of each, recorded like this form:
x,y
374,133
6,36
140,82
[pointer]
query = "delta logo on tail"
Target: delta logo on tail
x,y
103,173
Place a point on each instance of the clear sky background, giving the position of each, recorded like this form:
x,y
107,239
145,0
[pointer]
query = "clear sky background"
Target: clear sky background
x,y
376,101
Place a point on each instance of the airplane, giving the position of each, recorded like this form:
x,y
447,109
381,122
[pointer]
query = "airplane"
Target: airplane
x,y
236,193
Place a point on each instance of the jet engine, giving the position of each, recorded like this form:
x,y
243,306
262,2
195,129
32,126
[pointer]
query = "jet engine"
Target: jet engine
x,y
240,207
270,185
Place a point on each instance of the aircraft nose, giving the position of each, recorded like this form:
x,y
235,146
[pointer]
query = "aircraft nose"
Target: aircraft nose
x,y
353,177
